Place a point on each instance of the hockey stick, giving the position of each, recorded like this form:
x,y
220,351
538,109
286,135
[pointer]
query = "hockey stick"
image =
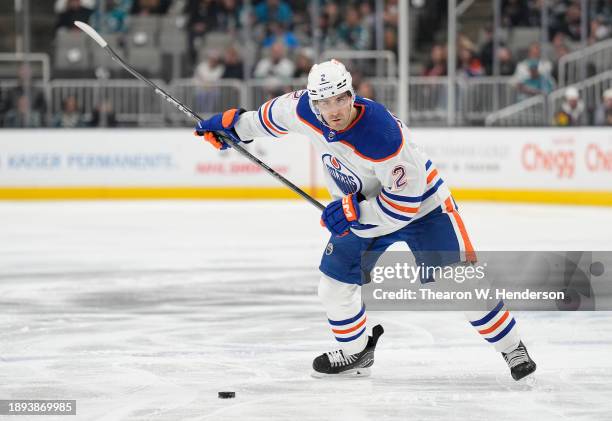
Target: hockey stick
x,y
102,43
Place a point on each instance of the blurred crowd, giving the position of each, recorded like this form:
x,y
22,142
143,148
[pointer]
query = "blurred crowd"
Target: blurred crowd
x,y
274,37
564,17
111,18
17,111
342,24
533,71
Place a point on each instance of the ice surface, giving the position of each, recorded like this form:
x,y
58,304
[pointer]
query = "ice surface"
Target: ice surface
x,y
145,310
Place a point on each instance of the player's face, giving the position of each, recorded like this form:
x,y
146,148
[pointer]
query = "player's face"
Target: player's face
x,y
336,110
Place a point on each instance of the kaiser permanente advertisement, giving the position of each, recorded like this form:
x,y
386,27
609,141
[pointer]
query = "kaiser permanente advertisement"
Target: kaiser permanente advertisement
x,y
551,165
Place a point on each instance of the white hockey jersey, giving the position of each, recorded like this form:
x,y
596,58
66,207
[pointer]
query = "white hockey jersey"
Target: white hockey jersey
x,y
373,156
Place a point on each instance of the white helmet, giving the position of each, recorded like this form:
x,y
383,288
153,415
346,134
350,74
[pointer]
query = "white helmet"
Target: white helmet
x,y
328,79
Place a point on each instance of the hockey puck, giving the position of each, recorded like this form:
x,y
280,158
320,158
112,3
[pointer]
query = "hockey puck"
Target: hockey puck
x,y
227,395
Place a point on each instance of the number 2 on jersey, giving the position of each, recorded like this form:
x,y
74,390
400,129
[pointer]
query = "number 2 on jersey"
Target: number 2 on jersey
x,y
399,177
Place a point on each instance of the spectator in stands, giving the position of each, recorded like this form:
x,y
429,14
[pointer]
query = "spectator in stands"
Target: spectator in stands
x,y
390,40
559,41
74,11
486,50
535,12
569,24
356,73
206,73
437,64
435,68
330,23
11,98
572,110
353,32
303,62
603,114
302,28
368,17
603,8
21,117
507,65
113,20
202,18
333,15
228,16
430,18
150,7
70,115
599,30
559,49
391,13
522,71
276,66
463,41
234,67
515,13
273,10
210,70
366,90
278,32
103,116
468,64
536,83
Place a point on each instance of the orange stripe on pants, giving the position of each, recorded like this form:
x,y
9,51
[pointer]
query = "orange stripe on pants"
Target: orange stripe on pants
x,y
470,256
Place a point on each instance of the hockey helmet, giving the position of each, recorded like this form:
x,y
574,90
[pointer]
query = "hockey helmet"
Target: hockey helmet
x,y
326,80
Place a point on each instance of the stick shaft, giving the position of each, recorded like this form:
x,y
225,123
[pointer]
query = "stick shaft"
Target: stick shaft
x,y
226,139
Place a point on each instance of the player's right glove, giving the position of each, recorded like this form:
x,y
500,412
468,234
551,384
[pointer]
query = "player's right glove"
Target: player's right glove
x,y
219,123
341,214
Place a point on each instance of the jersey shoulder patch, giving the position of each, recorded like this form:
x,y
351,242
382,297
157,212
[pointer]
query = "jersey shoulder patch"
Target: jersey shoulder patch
x,y
295,95
376,135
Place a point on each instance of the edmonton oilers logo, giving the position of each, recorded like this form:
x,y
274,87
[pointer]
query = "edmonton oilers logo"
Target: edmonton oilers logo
x,y
346,179
331,134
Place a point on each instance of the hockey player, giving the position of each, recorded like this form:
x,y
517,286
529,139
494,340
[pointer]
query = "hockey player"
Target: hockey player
x,y
384,191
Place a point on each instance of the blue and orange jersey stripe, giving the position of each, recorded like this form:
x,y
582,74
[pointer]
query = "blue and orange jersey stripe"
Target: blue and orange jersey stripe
x,y
267,121
401,208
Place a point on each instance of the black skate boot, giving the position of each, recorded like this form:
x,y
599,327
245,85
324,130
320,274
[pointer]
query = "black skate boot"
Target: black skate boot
x,y
335,363
520,362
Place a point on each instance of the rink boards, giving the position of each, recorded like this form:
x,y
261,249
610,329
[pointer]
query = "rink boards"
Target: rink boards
x,y
519,165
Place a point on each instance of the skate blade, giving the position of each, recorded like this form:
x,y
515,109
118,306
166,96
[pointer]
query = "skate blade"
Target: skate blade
x,y
529,381
349,374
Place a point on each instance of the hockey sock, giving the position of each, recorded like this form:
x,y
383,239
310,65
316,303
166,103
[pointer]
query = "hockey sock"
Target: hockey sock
x,y
346,313
496,326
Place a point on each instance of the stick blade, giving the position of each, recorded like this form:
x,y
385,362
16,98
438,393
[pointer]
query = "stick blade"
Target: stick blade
x,y
91,32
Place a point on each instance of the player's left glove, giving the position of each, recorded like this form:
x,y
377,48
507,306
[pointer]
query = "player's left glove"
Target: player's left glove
x,y
219,123
341,214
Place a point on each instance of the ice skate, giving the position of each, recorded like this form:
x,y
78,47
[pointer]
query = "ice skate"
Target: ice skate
x,y
520,362
335,363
